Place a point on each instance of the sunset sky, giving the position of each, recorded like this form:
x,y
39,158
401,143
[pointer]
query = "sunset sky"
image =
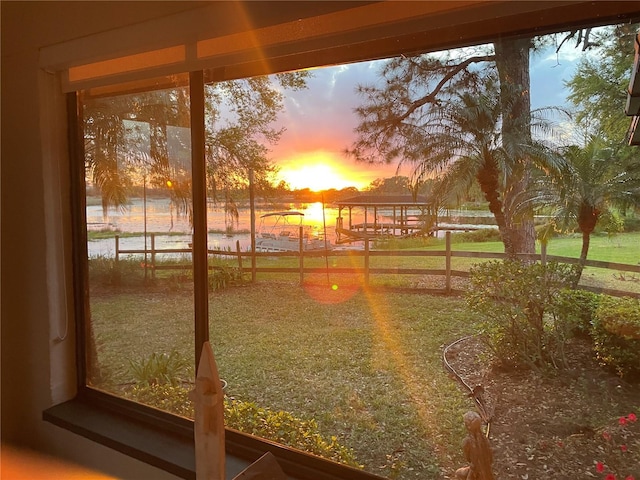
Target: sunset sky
x,y
320,121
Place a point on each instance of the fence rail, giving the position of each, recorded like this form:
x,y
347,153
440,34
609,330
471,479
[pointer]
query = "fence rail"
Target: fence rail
x,y
366,270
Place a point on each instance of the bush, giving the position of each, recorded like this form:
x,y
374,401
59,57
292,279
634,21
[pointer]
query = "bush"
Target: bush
x,y
616,334
285,428
105,271
477,236
577,308
159,369
224,276
278,426
519,304
632,224
165,396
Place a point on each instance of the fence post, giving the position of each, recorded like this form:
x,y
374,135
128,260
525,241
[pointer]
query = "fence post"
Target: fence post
x,y
253,264
447,285
153,256
366,262
239,256
117,237
300,254
543,253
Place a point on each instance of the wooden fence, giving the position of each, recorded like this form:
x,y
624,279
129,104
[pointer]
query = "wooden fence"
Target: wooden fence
x,y
366,270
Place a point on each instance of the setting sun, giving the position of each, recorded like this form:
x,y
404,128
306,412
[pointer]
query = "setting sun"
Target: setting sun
x,y
317,171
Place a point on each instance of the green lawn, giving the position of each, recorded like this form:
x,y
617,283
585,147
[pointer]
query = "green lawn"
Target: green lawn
x,y
366,366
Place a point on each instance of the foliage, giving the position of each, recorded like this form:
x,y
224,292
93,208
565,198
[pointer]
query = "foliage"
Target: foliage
x,y
394,243
616,334
631,223
224,276
165,396
518,307
394,185
620,451
129,272
599,86
105,271
278,426
577,308
583,192
611,222
477,236
285,428
464,120
159,369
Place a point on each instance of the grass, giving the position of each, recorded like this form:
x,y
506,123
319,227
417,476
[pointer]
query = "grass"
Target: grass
x,y
366,366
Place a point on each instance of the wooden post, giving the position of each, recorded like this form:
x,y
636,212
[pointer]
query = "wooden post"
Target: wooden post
x,y
239,256
208,399
300,253
447,286
366,261
200,253
543,253
252,204
153,255
117,249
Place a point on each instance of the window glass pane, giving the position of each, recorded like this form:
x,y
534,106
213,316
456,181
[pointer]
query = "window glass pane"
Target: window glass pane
x,y
320,185
311,357
138,192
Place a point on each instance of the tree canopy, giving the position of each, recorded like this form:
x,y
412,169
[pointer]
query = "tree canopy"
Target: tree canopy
x,y
138,138
421,97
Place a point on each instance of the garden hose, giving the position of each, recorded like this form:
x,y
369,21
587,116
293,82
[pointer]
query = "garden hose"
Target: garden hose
x,y
474,392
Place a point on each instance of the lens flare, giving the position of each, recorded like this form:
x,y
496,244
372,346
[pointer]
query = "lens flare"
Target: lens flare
x,y
325,294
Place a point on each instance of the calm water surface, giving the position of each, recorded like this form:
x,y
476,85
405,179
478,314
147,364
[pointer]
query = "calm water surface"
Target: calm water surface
x,y
173,231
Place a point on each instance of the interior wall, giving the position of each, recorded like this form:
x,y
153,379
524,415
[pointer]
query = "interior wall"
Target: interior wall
x,y
37,350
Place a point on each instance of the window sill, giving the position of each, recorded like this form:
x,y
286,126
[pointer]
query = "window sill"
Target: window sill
x,y
169,445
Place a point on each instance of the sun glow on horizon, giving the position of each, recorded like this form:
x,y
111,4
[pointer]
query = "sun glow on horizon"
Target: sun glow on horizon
x,y
317,171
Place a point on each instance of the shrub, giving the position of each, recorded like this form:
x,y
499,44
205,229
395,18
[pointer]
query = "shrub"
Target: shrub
x,y
165,396
279,426
105,271
477,236
285,428
518,305
159,369
394,243
616,334
610,222
632,224
577,308
224,276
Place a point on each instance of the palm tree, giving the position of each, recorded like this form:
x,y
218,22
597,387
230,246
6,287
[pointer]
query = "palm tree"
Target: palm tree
x,y
465,145
584,192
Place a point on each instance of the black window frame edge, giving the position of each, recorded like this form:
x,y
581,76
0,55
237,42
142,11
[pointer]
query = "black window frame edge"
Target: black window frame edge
x,y
150,435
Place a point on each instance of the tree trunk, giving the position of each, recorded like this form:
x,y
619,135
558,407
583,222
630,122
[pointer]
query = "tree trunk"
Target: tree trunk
x,y
512,61
587,220
488,179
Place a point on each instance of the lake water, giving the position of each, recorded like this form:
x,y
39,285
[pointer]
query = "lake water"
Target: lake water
x,y
173,231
